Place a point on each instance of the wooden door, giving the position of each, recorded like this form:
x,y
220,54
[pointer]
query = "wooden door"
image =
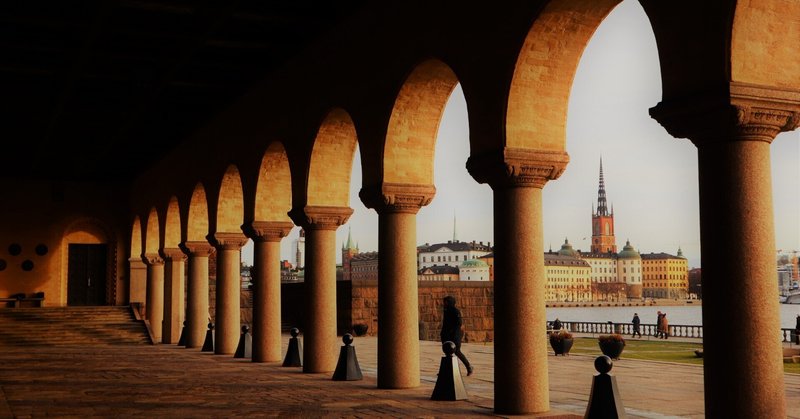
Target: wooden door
x,y
86,278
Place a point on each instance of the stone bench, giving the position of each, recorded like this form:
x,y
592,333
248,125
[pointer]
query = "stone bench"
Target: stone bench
x,y
20,300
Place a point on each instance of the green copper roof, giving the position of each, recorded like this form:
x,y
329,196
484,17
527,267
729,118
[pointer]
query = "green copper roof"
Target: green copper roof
x,y
349,244
567,250
474,263
628,252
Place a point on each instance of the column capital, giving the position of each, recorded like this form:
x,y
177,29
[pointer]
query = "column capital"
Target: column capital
x,y
136,262
197,248
515,167
746,113
172,254
227,241
267,231
320,217
397,197
151,259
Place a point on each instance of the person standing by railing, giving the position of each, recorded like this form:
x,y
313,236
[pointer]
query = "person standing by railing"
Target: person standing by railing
x,y
636,322
663,327
797,331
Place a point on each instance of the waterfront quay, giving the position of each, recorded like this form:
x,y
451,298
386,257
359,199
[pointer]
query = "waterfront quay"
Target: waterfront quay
x,y
166,380
633,303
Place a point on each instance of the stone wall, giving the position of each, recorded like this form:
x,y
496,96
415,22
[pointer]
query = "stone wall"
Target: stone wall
x,y
474,299
357,303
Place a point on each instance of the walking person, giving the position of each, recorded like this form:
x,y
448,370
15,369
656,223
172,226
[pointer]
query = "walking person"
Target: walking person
x,y
452,329
664,326
636,323
658,324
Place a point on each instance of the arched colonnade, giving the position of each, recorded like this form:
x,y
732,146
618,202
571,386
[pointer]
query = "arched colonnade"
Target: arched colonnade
x,y
282,157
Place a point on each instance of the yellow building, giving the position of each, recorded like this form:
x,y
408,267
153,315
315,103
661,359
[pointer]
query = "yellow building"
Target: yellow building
x,y
665,275
568,278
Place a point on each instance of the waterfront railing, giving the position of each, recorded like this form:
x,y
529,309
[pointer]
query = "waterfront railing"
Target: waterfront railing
x,y
675,330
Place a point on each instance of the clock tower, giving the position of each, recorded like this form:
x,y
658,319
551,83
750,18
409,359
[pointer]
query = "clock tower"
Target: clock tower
x,y
603,240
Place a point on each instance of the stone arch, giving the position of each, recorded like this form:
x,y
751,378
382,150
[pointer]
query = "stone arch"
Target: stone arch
x,y
536,117
230,205
197,220
759,53
331,161
136,238
151,238
172,225
414,123
90,231
274,187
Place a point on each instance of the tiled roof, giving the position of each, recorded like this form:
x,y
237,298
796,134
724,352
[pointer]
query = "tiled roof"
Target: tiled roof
x,y
438,270
456,247
551,259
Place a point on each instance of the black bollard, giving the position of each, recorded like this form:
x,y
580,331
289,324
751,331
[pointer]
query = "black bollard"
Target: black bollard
x,y
347,368
604,400
182,339
208,345
245,348
449,385
293,358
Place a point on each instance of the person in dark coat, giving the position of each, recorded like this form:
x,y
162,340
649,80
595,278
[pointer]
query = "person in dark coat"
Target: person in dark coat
x,y
452,329
797,331
557,324
664,325
636,322
658,324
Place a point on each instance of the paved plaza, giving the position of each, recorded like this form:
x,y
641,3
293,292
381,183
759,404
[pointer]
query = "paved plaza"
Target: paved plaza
x,y
169,381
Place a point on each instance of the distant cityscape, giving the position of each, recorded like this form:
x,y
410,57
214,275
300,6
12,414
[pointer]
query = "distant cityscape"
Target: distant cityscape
x,y
600,274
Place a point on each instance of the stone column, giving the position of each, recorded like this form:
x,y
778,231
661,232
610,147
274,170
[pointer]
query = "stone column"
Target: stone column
x,y
398,305
155,293
320,345
229,289
137,293
197,292
173,295
743,371
520,356
266,330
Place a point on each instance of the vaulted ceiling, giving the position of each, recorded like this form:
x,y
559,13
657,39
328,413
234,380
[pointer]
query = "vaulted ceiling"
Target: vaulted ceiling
x,y
97,90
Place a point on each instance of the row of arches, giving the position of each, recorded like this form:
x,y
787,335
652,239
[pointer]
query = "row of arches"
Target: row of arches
x,y
517,111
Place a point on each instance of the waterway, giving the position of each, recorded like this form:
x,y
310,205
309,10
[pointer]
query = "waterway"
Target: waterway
x,y
681,315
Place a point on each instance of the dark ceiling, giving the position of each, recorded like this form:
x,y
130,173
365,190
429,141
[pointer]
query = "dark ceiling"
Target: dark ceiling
x,y
102,89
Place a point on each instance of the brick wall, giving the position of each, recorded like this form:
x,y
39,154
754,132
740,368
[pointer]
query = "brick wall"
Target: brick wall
x,y
357,302
474,299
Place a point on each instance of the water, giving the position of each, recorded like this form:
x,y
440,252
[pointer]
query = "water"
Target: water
x,y
677,315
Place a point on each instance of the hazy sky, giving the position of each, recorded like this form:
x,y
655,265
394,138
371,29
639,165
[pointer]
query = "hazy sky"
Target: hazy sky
x,y
651,178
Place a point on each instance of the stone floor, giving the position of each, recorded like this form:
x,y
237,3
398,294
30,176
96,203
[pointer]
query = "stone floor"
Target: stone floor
x,y
167,381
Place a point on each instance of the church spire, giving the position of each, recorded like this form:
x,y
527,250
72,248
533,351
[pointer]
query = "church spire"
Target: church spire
x,y
602,207
455,238
349,244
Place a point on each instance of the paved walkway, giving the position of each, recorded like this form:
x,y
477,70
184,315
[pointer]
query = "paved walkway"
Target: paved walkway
x,y
167,381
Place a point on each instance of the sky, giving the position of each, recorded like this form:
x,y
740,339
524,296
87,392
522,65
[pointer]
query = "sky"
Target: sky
x,y
650,177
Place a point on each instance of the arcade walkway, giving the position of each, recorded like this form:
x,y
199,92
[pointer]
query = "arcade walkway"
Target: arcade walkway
x,y
167,381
